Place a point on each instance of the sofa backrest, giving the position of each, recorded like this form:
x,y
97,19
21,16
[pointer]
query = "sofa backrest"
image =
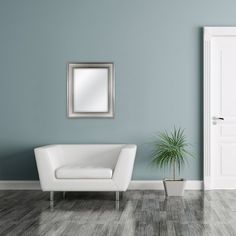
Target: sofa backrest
x,y
105,155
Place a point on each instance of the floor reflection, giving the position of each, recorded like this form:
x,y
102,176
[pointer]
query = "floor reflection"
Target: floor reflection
x,y
137,213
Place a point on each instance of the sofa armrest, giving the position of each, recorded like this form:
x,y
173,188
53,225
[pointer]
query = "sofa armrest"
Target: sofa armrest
x,y
124,167
47,162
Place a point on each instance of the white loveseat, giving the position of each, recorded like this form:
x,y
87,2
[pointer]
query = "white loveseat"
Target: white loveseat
x,y
85,167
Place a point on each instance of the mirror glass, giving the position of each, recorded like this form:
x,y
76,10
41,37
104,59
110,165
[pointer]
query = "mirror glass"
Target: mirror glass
x,y
90,90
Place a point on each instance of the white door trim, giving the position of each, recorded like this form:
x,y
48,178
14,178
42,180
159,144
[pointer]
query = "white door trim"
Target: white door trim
x,y
206,112
209,34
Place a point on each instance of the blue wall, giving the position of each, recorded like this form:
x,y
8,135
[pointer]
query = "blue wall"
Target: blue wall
x,y
156,46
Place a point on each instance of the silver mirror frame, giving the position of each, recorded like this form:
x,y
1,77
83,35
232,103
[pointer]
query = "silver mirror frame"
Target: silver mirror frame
x,y
111,90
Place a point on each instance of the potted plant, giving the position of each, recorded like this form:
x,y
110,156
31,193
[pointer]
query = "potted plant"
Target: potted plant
x,y
171,151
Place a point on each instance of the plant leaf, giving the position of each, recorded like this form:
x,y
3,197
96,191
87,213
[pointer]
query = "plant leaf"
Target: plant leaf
x,y
171,149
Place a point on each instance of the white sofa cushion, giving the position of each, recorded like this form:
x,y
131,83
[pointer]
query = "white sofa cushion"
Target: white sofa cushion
x,y
83,172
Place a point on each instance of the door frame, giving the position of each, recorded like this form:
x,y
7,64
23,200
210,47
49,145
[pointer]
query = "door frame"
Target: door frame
x,y
209,34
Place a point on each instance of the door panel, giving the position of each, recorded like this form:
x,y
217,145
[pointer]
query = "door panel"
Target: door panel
x,y
224,106
227,160
228,79
221,107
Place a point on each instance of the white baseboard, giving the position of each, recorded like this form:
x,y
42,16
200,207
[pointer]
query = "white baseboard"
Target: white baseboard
x,y
19,185
134,185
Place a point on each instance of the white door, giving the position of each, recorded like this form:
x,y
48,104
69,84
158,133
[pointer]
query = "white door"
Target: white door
x,y
220,107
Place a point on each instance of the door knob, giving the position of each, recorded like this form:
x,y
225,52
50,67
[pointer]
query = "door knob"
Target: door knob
x,y
218,118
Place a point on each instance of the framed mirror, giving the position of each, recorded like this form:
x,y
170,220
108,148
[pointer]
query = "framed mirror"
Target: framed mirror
x,y
90,90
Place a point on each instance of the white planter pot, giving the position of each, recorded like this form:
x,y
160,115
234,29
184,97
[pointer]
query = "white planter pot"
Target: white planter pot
x,y
174,187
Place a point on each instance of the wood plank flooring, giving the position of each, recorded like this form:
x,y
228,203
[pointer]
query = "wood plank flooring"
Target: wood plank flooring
x,y
140,213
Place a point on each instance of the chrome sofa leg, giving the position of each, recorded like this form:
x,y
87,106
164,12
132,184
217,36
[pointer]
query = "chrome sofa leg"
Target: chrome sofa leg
x,y
64,195
117,196
117,200
51,200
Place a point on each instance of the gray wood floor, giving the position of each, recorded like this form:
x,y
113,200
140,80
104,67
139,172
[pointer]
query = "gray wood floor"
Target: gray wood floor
x,y
140,213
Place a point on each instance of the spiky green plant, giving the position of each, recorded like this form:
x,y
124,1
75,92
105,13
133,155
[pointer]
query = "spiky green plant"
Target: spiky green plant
x,y
171,150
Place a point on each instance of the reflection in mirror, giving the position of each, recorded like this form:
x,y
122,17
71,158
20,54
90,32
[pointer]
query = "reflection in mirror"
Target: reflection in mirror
x,y
90,88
